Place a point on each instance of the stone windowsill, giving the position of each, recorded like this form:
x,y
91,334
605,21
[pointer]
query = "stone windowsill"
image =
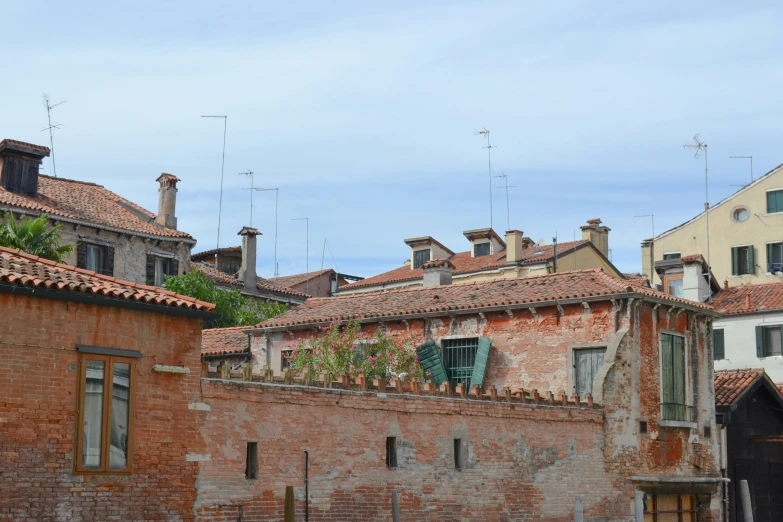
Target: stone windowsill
x,y
677,424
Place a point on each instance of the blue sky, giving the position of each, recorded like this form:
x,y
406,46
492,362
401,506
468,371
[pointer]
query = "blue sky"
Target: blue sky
x,y
363,113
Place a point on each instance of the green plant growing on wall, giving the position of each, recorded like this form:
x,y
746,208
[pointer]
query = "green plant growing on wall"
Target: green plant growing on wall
x,y
339,349
33,236
233,308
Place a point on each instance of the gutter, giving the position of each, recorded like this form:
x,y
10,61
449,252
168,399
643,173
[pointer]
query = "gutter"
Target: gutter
x,y
212,357
60,295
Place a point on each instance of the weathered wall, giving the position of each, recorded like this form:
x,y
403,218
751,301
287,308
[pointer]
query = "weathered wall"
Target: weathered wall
x,y
38,406
740,343
523,461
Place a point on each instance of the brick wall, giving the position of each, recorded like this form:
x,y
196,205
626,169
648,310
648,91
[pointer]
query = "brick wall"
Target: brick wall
x,y
38,403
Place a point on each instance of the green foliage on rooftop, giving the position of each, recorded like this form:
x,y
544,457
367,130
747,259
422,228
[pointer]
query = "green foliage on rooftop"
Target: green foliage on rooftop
x,y
33,236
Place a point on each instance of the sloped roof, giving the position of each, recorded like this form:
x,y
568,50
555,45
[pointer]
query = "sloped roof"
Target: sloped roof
x,y
24,270
731,384
263,285
579,284
211,253
224,341
296,279
465,263
748,299
89,203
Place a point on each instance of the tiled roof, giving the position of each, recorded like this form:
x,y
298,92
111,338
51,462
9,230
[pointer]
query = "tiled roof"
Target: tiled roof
x,y
264,285
296,279
18,268
16,144
211,253
747,299
469,296
88,203
224,341
730,384
437,263
693,258
464,263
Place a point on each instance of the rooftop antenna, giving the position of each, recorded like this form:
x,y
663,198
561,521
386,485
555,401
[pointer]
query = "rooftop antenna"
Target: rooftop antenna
x,y
751,164
222,166
251,189
307,223
49,107
506,186
489,147
699,146
277,274
652,245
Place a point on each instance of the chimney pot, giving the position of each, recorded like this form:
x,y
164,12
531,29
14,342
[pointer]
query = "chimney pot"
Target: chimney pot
x,y
167,200
725,284
597,234
247,273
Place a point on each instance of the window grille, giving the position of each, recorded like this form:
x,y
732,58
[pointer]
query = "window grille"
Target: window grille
x,y
460,355
669,508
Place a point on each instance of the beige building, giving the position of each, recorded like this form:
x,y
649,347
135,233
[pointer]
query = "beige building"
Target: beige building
x,y
746,236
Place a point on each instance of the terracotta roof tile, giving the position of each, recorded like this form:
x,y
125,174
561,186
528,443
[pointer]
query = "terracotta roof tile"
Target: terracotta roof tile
x,y
89,203
224,341
464,263
749,299
296,279
211,253
18,268
264,285
469,296
730,384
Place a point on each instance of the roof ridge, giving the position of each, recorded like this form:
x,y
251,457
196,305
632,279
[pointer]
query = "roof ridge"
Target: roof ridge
x,y
57,178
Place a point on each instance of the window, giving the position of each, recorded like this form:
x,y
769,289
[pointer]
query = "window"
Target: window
x,y
391,452
587,361
673,379
669,508
98,258
643,427
774,201
480,249
458,454
673,285
158,267
671,255
285,359
94,258
740,215
251,461
774,257
719,344
420,257
742,262
230,265
768,340
466,360
103,438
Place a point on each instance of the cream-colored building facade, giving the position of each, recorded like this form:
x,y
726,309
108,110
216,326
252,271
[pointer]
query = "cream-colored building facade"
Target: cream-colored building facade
x,y
746,236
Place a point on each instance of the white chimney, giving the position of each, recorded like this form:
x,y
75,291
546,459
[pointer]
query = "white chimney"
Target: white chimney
x,y
438,272
247,273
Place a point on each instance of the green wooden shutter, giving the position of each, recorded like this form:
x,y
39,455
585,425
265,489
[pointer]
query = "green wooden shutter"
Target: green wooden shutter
x,y
666,364
81,255
150,270
759,341
480,366
678,368
429,358
108,261
734,261
719,346
769,257
751,260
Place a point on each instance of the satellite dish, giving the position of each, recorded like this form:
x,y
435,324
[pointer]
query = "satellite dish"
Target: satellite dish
x,y
541,241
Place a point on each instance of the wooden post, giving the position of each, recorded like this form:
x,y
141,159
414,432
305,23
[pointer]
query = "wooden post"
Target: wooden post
x,y
290,504
395,507
747,507
578,512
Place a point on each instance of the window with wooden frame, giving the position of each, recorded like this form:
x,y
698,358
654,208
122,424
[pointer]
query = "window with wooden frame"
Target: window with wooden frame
x,y
673,285
98,258
671,255
481,249
669,508
104,431
420,257
769,340
742,260
158,267
774,257
774,201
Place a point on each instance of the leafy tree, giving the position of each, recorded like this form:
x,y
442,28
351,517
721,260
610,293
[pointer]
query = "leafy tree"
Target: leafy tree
x,y
33,236
233,308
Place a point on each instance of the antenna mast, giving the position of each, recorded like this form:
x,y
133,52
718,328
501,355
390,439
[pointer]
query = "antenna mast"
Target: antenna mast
x,y
222,167
699,146
489,147
751,163
307,222
49,108
251,189
277,274
506,186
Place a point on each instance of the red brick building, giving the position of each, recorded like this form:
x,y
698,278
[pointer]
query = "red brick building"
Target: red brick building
x,y
592,387
99,398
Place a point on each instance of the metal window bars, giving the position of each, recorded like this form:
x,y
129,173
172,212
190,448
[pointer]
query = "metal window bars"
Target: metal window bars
x,y
460,356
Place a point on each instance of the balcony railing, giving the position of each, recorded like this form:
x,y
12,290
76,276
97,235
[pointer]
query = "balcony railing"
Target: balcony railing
x,y
678,412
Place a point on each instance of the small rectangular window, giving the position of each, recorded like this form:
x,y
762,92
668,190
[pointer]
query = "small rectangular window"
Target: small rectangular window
x,y
707,432
251,462
774,201
460,355
670,508
673,285
420,257
742,260
643,427
458,454
772,341
480,249
718,340
391,452
587,362
94,258
774,257
671,255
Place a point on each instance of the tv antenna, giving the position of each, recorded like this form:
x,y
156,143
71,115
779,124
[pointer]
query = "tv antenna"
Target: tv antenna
x,y
222,166
506,186
700,146
307,222
251,189
49,107
485,133
277,274
652,244
751,164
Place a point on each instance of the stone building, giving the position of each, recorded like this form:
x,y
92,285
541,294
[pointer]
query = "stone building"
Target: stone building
x,y
111,235
556,386
98,406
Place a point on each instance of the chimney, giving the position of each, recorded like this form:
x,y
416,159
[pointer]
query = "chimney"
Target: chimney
x,y
19,163
167,200
247,273
598,235
515,244
438,272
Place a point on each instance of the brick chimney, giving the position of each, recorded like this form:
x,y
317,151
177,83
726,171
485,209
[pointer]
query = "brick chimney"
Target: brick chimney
x,y
598,235
19,163
247,273
438,272
167,200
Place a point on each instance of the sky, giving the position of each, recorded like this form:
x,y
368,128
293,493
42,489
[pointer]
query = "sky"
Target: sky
x,y
363,115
